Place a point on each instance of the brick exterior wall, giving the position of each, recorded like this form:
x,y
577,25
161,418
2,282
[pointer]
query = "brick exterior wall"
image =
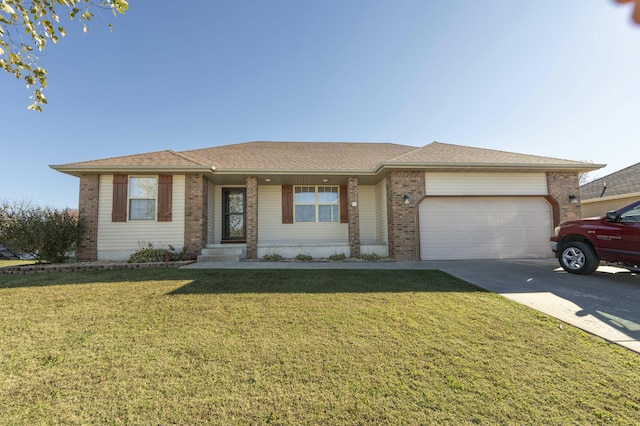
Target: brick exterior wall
x,y
403,226
195,214
252,218
404,236
354,217
87,247
560,185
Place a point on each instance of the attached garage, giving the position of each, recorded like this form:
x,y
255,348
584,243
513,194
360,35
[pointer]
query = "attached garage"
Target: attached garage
x,y
513,221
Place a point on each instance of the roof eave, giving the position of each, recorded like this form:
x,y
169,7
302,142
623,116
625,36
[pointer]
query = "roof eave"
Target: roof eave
x,y
580,168
77,170
293,172
635,195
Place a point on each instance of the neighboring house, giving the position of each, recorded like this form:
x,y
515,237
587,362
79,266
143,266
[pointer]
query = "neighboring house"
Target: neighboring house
x,y
436,202
611,192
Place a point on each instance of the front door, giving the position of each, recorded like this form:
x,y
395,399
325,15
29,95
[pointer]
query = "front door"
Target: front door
x,y
233,215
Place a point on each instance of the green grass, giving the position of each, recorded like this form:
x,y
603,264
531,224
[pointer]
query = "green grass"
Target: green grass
x,y
168,346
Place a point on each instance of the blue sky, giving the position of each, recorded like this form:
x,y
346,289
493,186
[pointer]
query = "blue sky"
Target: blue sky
x,y
552,78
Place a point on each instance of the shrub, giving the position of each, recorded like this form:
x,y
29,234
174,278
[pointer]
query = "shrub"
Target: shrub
x,y
147,254
272,257
47,234
174,255
370,256
304,257
152,254
338,256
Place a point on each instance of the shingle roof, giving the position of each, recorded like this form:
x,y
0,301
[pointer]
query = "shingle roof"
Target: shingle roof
x,y
442,153
299,156
325,156
625,181
158,158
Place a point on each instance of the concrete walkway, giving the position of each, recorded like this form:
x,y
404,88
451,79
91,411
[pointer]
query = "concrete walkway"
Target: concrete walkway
x,y
604,303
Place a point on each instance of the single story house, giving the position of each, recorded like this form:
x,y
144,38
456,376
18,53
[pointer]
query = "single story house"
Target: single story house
x,y
611,192
435,202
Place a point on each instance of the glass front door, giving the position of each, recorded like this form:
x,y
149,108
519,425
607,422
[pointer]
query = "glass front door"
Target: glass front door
x,y
233,213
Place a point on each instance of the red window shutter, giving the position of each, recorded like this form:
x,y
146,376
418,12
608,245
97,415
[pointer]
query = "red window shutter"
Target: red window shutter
x,y
287,203
164,197
119,206
344,208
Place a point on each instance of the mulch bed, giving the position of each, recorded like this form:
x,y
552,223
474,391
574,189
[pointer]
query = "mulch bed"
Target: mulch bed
x,y
86,266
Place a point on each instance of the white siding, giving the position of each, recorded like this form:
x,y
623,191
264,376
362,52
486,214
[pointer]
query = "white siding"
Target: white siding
x,y
382,233
117,240
367,213
272,230
456,183
315,250
599,207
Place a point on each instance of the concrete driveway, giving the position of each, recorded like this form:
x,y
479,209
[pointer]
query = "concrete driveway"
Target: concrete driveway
x,y
606,303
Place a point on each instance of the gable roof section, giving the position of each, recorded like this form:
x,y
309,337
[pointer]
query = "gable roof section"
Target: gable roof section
x,y
442,154
622,182
167,160
323,157
160,158
299,156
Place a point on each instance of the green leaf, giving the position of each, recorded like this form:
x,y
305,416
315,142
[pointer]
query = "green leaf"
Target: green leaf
x,y
35,107
29,24
5,7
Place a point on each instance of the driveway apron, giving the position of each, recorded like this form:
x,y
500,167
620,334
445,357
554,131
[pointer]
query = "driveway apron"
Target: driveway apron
x,y
604,303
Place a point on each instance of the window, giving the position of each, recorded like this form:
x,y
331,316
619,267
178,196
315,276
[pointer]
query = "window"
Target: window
x,y
631,215
316,204
142,198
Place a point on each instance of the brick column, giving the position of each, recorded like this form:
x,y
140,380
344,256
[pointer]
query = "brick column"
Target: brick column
x,y
195,212
404,232
559,186
87,247
252,218
354,217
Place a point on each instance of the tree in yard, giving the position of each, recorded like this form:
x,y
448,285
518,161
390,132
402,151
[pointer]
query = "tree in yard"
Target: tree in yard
x,y
45,233
587,177
26,26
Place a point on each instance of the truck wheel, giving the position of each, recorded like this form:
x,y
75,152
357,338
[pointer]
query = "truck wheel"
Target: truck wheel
x,y
577,257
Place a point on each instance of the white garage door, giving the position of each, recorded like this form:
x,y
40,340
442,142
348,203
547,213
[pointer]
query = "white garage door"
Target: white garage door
x,y
485,228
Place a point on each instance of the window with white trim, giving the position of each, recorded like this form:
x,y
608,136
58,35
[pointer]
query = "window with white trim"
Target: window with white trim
x,y
143,192
316,203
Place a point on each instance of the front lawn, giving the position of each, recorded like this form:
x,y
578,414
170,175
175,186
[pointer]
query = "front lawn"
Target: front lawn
x,y
15,262
168,346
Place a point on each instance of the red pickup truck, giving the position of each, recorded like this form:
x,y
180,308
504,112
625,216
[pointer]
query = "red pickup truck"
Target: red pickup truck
x,y
580,245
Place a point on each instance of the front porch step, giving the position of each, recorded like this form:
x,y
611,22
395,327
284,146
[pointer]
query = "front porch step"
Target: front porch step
x,y
223,253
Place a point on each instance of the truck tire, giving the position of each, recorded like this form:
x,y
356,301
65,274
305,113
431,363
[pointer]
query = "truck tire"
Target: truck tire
x,y
577,257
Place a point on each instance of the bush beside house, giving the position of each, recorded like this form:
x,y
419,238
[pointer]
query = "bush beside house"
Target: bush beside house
x,y
46,234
